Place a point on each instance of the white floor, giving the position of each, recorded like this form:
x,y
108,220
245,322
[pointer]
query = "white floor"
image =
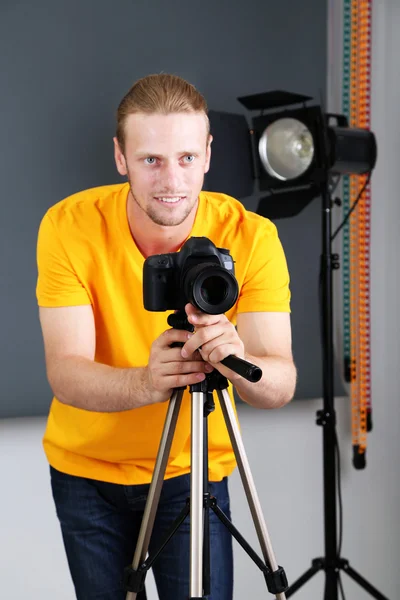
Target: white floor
x,y
285,453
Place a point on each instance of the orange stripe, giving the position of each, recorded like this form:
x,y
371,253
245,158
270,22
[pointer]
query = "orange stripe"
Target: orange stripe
x,y
360,228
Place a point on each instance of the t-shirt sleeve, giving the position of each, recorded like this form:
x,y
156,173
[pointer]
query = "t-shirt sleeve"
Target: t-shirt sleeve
x,y
266,284
57,282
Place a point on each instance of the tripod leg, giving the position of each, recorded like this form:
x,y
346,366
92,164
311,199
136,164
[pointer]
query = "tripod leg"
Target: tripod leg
x,y
153,497
248,482
206,512
196,497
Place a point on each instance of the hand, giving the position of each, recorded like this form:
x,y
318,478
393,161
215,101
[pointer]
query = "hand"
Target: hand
x,y
167,368
215,338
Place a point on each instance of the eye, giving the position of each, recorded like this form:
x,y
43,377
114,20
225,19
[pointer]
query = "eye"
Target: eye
x,y
189,158
150,160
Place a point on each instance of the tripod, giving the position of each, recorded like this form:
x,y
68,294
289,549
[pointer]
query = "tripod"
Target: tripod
x,y
331,563
201,502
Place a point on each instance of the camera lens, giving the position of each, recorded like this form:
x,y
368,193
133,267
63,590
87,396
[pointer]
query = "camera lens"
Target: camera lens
x,y
211,288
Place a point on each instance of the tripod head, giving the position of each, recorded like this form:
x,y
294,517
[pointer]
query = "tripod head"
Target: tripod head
x,y
242,367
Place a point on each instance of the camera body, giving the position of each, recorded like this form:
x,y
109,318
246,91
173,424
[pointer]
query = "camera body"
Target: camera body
x,y
200,273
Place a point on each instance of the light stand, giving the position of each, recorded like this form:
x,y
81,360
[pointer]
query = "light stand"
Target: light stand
x,y
331,562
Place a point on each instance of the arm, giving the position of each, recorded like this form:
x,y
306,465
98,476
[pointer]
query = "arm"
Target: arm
x,y
76,379
267,343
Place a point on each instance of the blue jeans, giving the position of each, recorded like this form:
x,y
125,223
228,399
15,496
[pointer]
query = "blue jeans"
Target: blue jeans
x,y
100,523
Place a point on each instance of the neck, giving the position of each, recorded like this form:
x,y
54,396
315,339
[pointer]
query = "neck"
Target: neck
x,y
152,238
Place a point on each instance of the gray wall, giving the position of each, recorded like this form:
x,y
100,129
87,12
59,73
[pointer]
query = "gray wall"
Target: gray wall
x,y
64,67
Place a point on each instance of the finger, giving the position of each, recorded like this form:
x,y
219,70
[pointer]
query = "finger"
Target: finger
x,y
202,336
171,336
191,367
195,356
216,354
181,366
174,355
174,381
199,318
222,340
191,310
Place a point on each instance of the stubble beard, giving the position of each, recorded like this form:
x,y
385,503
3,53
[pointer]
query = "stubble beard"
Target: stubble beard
x,y
154,211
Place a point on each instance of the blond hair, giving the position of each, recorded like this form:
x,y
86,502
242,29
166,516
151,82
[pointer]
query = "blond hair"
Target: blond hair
x,y
160,93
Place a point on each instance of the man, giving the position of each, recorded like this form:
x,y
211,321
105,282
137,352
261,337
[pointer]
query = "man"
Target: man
x,y
110,363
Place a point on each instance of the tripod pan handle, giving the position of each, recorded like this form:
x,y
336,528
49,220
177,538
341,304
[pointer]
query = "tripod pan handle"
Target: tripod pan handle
x,y
243,367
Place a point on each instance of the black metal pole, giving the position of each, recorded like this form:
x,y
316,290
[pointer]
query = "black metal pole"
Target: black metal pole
x,y
328,417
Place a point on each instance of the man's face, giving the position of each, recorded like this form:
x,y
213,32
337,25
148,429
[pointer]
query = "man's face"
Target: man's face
x,y
165,159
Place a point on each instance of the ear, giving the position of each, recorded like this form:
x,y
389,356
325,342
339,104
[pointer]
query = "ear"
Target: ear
x,y
208,154
119,158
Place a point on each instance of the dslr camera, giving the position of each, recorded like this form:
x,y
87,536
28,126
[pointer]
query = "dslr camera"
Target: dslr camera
x,y
200,273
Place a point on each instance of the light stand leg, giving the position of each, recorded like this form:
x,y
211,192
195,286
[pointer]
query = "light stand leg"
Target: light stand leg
x,y
153,497
248,483
317,565
361,581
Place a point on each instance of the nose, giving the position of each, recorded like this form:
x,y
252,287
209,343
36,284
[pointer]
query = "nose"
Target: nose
x,y
170,179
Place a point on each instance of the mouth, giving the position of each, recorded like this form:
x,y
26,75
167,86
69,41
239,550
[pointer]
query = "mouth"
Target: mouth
x,y
170,200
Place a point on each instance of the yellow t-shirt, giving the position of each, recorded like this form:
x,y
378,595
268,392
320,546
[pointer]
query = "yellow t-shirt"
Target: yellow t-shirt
x,y
86,255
